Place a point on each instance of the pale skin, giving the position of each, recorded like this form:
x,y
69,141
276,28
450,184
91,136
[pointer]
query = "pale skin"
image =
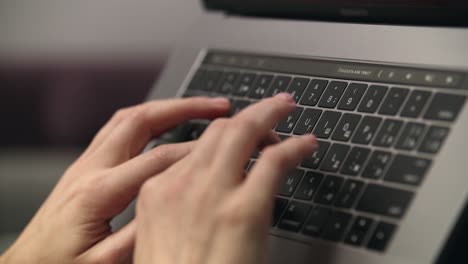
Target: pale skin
x,y
194,203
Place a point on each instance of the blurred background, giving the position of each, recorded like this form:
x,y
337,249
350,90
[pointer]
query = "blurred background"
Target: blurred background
x,y
65,67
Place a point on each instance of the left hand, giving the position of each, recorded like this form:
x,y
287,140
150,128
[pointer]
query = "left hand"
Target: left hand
x,y
72,226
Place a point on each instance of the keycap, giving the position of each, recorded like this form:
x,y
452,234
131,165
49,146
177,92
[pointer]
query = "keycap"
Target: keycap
x,y
314,92
196,82
445,107
294,216
314,161
377,164
237,106
329,190
332,94
279,85
358,231
335,157
366,130
315,224
393,101
307,122
381,237
309,186
372,98
352,96
415,104
278,209
434,139
336,226
326,124
261,86
245,84
210,80
287,124
291,181
385,201
227,83
387,135
346,127
348,195
297,87
411,136
408,170
355,161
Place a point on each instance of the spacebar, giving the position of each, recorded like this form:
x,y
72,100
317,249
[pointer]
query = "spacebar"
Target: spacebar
x,y
384,201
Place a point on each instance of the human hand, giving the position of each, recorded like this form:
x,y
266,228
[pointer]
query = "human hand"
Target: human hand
x,y
72,226
202,210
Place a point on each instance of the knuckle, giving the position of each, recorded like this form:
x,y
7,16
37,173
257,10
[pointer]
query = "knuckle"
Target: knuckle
x,y
246,124
147,193
164,153
219,124
276,157
237,214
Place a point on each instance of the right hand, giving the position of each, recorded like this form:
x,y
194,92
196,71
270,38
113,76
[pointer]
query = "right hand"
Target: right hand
x,y
202,209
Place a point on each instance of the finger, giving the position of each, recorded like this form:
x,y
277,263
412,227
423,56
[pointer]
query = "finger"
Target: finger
x,y
128,177
246,131
116,248
133,133
269,170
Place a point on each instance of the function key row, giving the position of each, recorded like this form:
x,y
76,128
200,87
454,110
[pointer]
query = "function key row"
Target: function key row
x,y
332,225
333,94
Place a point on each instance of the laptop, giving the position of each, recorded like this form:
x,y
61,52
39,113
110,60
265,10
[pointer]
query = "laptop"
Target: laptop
x,y
382,84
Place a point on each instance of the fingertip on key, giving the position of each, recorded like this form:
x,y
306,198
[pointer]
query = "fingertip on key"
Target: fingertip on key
x,y
285,96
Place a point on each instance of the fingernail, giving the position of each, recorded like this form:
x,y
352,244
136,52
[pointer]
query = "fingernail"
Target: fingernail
x,y
220,101
285,96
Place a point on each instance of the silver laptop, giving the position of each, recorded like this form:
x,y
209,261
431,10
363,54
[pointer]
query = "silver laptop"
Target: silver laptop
x,y
382,85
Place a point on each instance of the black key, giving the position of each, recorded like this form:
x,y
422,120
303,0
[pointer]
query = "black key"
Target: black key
x,y
335,157
197,79
326,124
434,139
278,209
294,216
388,133
228,81
336,226
309,186
245,84
415,104
196,130
372,98
346,127
297,87
352,96
314,161
366,130
358,231
280,84
445,107
261,86
314,92
237,106
332,94
210,80
329,190
355,161
393,101
385,201
283,137
287,124
290,182
377,164
407,170
411,136
315,224
381,237
307,122
349,194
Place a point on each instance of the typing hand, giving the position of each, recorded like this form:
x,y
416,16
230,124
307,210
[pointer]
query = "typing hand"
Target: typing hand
x,y
202,210
72,226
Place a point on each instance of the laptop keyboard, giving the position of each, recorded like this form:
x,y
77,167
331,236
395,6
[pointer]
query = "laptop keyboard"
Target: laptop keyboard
x,y
377,142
